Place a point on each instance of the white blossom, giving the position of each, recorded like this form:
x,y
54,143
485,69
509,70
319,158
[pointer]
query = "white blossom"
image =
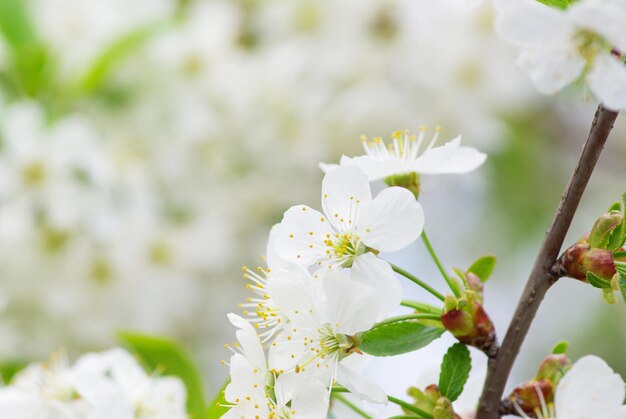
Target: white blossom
x,y
252,384
324,319
352,221
560,46
409,154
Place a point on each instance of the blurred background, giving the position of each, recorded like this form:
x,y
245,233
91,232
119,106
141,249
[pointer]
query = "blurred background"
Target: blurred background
x,y
146,147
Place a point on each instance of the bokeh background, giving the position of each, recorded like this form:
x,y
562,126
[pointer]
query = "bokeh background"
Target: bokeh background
x,y
146,147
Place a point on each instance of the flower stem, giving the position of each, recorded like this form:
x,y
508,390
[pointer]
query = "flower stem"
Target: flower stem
x,y
417,316
352,406
418,281
543,274
453,286
419,412
422,307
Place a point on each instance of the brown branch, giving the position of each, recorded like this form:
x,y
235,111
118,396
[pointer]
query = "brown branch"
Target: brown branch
x,y
542,275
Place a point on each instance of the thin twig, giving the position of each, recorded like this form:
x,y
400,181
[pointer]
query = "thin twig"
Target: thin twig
x,y
542,275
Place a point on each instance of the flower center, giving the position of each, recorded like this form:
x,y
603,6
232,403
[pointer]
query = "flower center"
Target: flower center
x,y
590,44
344,247
404,146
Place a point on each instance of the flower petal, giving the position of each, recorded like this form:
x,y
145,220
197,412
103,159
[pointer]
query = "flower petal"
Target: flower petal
x,y
375,272
464,160
310,400
376,169
605,17
607,81
589,388
249,341
434,159
360,386
300,236
391,221
349,306
551,69
344,191
530,23
295,300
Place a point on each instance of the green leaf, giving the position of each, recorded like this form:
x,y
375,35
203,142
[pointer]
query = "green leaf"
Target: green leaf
x,y
216,408
168,358
617,206
116,52
560,348
597,282
483,267
398,338
620,267
31,67
616,239
461,276
622,286
9,368
455,370
559,4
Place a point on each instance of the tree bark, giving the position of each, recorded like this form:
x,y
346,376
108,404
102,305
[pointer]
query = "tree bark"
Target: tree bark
x,y
543,275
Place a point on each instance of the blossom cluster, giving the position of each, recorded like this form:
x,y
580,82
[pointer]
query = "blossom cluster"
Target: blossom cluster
x,y
325,282
108,384
136,222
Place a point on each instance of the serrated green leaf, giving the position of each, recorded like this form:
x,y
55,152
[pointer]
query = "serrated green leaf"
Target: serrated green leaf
x,y
216,408
398,338
455,370
483,267
597,282
560,348
168,358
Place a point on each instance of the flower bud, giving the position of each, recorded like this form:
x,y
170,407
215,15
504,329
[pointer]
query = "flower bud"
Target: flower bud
x,y
475,284
552,368
470,324
443,410
602,229
424,400
532,395
580,259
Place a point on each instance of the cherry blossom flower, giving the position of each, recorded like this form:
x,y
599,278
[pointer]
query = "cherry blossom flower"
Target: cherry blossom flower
x,y
589,390
255,391
560,46
352,222
405,155
320,339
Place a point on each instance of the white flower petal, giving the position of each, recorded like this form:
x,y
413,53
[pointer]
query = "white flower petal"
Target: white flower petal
x,y
249,341
375,272
391,221
360,386
295,299
376,168
300,235
344,191
464,160
604,17
607,81
349,307
242,379
310,399
588,389
434,159
530,23
552,69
